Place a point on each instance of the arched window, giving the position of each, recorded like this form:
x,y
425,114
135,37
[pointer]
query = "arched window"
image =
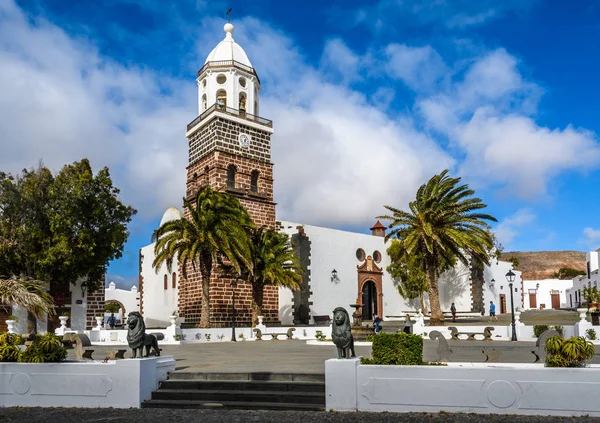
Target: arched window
x,y
256,108
204,102
254,181
231,176
174,280
242,105
166,282
222,98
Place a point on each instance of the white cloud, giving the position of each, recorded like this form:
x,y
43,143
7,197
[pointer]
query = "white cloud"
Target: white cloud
x,y
340,60
487,117
591,237
510,227
61,101
419,67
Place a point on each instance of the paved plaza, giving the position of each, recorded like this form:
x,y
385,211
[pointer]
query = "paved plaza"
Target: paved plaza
x,y
74,415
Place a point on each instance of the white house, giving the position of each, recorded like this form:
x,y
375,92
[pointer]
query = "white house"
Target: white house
x,y
574,297
546,293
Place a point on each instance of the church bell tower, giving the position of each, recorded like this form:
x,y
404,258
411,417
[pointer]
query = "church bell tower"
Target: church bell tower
x,y
230,151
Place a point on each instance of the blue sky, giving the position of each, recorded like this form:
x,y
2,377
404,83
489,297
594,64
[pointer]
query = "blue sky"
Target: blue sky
x,y
369,99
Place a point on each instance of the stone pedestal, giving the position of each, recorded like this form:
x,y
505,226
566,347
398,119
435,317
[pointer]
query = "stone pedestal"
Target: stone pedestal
x,y
582,325
98,323
340,384
260,324
63,326
173,330
11,326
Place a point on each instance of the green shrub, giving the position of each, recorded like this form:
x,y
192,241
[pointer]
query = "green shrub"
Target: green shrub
x,y
561,330
9,351
591,333
396,349
539,329
320,336
46,348
570,352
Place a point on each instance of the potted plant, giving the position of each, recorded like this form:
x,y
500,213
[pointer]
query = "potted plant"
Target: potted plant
x,y
64,316
591,297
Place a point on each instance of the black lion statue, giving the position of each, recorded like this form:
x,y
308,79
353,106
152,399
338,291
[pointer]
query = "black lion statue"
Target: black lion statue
x,y
137,337
341,333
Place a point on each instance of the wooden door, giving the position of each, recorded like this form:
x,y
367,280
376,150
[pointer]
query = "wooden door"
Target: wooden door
x,y
502,304
532,300
555,300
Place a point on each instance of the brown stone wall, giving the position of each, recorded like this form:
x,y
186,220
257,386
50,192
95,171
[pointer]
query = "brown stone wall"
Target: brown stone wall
x,y
95,307
212,149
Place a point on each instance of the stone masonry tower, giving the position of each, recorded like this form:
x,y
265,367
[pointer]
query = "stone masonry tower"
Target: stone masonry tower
x,y
230,151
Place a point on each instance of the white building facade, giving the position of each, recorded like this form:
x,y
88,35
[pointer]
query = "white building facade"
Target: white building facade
x,y
546,294
128,300
574,295
159,293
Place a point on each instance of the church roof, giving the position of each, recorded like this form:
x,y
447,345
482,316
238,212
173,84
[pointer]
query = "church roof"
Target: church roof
x,y
378,225
171,214
228,49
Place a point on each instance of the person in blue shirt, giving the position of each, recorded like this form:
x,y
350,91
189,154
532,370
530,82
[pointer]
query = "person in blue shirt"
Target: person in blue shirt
x,y
377,321
112,321
492,311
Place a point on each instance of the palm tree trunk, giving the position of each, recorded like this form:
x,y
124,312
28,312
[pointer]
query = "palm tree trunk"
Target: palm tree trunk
x,y
437,318
423,306
257,301
205,271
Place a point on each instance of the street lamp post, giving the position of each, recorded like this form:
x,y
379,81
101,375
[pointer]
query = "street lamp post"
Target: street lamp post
x,y
233,286
510,277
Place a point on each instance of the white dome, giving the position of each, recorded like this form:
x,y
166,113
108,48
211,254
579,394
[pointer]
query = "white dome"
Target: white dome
x,y
171,214
228,49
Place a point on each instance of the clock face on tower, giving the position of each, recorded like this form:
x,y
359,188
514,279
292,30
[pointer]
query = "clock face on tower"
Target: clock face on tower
x,y
244,140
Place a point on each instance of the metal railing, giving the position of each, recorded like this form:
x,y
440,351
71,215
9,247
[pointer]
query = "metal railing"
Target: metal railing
x,y
232,112
228,63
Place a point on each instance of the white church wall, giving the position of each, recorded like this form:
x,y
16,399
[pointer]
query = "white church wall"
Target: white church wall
x,y
157,303
334,249
78,307
455,287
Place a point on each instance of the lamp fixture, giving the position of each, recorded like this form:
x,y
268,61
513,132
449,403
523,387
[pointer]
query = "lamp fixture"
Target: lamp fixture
x,y
334,276
492,282
510,276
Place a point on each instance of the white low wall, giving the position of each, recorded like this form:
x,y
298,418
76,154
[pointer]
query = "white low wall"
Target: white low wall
x,y
527,389
89,384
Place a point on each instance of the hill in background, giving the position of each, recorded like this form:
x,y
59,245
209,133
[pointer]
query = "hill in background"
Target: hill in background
x,y
538,265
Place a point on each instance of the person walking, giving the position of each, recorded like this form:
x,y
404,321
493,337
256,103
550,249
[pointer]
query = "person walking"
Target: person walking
x,y
377,321
493,311
453,311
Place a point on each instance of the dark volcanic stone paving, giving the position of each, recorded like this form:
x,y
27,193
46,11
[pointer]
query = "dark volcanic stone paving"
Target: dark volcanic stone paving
x,y
71,415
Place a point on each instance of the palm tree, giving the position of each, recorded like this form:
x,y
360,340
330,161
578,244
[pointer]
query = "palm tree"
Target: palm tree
x,y
443,225
216,227
27,293
273,263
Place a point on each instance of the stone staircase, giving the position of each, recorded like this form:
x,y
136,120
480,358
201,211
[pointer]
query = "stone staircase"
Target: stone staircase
x,y
248,391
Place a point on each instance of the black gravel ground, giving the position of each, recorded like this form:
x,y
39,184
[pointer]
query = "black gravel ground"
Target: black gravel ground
x,y
73,415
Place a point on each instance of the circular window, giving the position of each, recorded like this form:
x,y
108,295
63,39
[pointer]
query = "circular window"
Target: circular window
x,y
360,254
243,82
377,256
221,79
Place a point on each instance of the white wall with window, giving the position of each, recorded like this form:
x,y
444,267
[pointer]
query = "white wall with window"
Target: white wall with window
x,y
546,294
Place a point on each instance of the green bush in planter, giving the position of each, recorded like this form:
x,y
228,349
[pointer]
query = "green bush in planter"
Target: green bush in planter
x,y
9,351
570,352
539,329
396,349
46,348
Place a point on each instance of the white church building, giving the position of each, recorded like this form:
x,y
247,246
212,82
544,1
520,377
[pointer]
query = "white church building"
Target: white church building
x,y
230,150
